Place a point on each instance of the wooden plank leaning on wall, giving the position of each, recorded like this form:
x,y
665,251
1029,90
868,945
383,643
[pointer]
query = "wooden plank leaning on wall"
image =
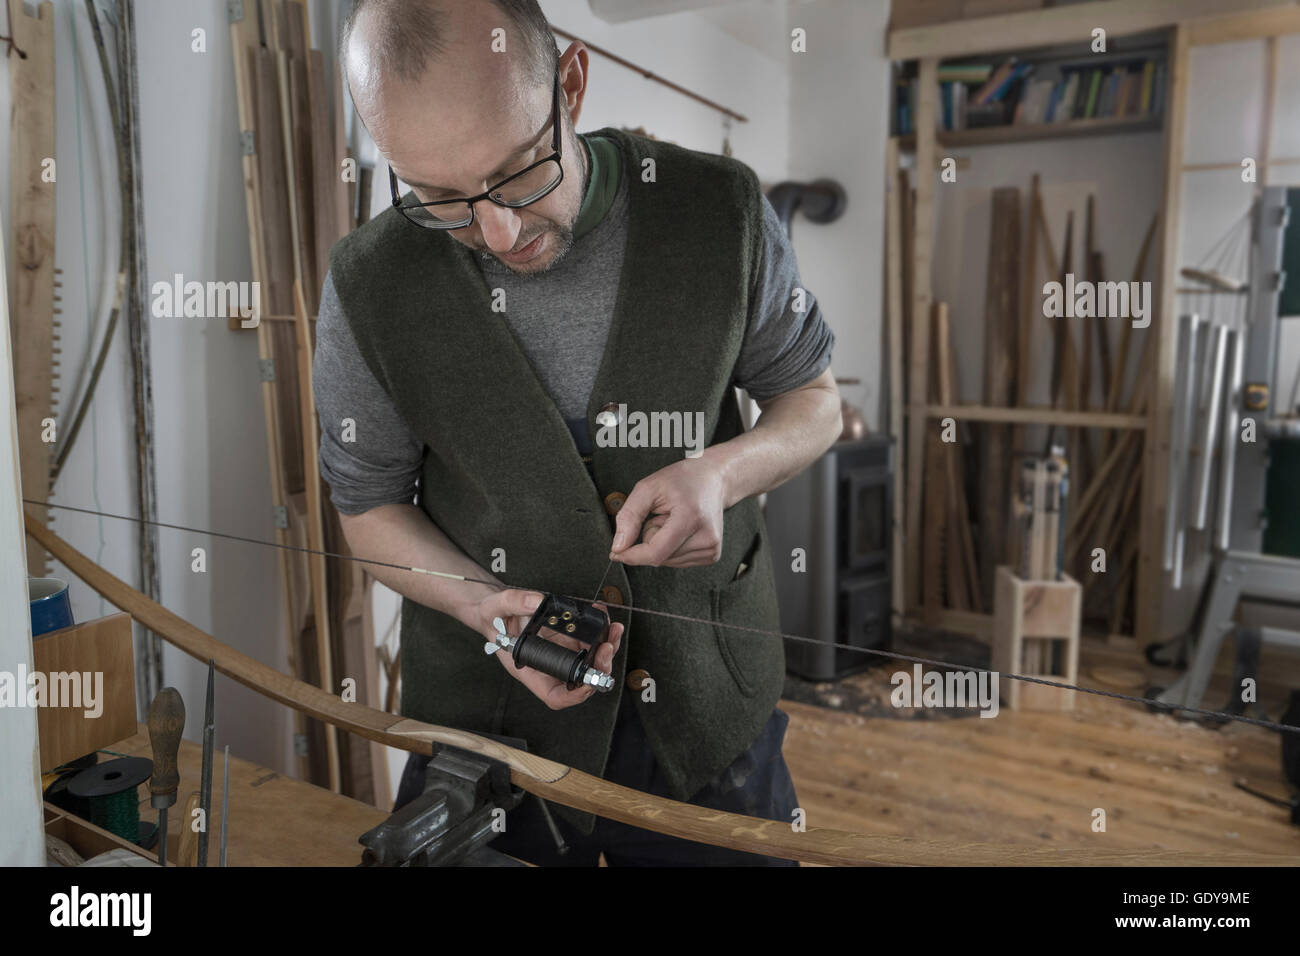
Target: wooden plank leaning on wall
x,y
31,216
1155,453
919,338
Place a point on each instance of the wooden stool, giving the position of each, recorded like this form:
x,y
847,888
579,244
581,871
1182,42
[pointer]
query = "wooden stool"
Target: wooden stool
x,y
1036,633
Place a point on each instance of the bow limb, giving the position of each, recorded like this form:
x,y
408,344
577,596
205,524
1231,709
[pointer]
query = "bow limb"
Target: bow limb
x,y
562,784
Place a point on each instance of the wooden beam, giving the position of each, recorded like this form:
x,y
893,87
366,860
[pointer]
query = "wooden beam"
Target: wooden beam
x,y
1037,416
1072,23
919,359
1030,132
1030,302
894,253
1155,470
316,530
934,490
1001,320
962,566
258,108
1264,153
1234,27
31,220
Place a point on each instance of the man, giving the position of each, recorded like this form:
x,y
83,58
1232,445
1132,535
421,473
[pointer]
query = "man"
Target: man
x,y
482,346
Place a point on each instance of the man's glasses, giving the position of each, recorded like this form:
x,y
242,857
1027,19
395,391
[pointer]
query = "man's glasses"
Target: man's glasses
x,y
521,189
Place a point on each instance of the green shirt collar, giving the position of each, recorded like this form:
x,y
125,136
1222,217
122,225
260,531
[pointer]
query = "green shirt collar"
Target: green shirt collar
x,y
602,185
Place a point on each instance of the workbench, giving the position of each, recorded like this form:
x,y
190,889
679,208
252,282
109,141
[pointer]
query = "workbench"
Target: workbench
x,y
274,820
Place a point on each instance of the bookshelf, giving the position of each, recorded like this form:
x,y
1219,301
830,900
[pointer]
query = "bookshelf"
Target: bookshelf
x,y
918,52
1027,132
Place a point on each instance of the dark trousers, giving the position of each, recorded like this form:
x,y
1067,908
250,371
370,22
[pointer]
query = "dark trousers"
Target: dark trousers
x,y
756,784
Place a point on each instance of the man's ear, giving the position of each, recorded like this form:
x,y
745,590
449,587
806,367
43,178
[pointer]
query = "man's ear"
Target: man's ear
x,y
573,79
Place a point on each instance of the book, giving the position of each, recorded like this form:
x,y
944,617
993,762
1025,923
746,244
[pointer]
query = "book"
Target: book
x,y
1094,85
994,82
965,72
1148,83
1122,97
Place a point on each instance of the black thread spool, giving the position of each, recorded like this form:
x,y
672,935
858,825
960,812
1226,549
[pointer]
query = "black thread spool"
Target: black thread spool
x,y
535,651
580,621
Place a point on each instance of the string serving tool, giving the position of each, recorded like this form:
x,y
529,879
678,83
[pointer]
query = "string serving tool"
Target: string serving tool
x,y
572,617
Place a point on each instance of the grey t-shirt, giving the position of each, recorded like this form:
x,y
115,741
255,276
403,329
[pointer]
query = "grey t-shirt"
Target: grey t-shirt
x,y
561,319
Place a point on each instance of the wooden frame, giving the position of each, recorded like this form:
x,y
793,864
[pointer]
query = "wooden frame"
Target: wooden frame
x,y
1155,451
32,325
1035,610
1072,23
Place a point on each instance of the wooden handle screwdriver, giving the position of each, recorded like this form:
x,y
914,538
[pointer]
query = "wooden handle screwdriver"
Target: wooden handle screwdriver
x,y
166,723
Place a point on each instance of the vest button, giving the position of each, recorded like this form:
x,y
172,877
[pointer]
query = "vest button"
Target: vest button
x,y
614,501
636,679
608,415
611,595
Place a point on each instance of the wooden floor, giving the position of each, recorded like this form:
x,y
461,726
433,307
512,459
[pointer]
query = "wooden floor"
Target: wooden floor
x,y
1036,778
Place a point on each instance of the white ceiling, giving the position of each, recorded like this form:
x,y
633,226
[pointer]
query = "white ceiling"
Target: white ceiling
x,y
760,24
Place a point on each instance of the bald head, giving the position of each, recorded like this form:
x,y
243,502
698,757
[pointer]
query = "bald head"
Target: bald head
x,y
406,34
459,96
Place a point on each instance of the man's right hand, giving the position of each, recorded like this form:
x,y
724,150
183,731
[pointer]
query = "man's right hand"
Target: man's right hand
x,y
514,607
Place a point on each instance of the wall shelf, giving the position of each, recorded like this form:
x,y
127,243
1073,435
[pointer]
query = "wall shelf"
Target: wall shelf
x,y
1036,416
1027,132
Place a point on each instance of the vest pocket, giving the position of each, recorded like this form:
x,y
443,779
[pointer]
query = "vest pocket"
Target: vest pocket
x,y
749,601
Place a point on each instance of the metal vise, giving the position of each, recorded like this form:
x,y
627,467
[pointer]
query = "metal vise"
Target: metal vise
x,y
450,824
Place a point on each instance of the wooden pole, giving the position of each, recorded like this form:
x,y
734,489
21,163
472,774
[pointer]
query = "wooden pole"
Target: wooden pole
x,y
894,252
919,359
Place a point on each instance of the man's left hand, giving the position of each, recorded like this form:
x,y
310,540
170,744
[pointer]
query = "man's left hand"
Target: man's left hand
x,y
673,517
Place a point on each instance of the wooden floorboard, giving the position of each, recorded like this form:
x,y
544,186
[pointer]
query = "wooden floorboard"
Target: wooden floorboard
x,y
1035,778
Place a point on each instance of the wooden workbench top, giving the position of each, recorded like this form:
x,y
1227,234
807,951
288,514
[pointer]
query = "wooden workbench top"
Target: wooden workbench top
x,y
274,820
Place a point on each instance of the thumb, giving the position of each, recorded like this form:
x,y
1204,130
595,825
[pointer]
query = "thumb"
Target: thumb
x,y
521,603
627,527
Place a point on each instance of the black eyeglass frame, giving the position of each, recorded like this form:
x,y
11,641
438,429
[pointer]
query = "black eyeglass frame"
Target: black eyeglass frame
x,y
555,157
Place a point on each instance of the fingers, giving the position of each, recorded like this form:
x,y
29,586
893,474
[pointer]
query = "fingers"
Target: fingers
x,y
627,526
695,558
664,544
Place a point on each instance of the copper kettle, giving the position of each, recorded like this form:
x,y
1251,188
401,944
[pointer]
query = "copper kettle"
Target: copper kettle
x,y
855,423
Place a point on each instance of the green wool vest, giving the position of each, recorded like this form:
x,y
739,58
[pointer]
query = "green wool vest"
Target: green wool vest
x,y
501,469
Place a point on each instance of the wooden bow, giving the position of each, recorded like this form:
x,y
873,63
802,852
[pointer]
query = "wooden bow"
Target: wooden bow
x,y
562,784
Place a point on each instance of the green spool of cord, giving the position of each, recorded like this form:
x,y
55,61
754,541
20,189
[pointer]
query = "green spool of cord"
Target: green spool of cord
x,y
111,790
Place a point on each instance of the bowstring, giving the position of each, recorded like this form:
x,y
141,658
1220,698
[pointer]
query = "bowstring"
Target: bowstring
x,y
891,655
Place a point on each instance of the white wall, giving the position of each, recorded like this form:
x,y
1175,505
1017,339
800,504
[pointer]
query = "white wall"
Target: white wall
x,y
21,840
839,96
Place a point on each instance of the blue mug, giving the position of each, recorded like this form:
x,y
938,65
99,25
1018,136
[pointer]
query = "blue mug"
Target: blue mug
x,y
50,606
